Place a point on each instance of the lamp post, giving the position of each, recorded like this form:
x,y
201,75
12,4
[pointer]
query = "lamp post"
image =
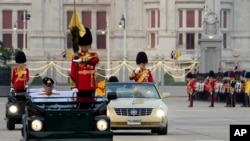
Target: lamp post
x,y
25,17
24,30
122,24
24,38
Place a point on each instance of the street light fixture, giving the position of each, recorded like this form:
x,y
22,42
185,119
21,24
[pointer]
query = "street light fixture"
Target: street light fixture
x,y
122,24
25,17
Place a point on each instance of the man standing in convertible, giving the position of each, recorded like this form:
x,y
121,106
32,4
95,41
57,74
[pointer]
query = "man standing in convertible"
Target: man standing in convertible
x,y
83,77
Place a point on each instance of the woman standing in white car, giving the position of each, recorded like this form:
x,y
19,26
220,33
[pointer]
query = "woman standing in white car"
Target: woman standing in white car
x,y
141,74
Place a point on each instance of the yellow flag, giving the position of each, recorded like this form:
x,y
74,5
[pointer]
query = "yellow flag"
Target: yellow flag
x,y
177,54
100,90
75,21
69,53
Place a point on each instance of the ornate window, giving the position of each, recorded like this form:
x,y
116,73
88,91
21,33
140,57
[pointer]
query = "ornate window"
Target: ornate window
x,y
153,26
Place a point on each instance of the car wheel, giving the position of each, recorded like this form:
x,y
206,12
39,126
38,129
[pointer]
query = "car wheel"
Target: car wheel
x,y
163,130
11,124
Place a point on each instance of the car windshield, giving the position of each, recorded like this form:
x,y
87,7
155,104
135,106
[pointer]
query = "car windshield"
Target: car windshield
x,y
133,90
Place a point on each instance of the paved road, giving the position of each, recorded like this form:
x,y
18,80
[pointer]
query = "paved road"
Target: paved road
x,y
200,123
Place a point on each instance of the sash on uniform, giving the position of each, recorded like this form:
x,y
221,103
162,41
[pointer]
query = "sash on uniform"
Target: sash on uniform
x,y
142,75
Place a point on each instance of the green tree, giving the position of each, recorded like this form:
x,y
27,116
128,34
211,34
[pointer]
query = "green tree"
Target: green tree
x,y
7,53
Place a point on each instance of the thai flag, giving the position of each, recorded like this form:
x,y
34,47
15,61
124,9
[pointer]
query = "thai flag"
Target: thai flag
x,y
64,54
172,55
236,67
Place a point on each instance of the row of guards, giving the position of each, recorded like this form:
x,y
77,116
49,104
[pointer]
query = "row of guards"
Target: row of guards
x,y
231,87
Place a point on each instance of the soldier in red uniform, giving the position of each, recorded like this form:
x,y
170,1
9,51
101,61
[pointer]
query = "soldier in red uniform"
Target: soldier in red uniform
x,y
191,85
20,74
210,87
82,74
141,74
232,83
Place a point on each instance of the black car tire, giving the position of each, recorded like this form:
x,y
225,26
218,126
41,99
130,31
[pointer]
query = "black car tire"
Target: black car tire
x,y
10,124
163,130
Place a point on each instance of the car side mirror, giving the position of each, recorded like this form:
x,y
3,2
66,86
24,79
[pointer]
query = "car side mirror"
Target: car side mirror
x,y
111,96
165,95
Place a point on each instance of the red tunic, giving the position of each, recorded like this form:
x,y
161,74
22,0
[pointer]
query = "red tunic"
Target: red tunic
x,y
210,86
143,76
20,78
191,86
83,75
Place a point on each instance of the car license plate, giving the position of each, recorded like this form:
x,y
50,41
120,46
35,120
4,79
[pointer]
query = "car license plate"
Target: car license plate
x,y
134,121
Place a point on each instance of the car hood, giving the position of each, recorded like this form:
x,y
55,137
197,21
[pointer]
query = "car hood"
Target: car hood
x,y
135,103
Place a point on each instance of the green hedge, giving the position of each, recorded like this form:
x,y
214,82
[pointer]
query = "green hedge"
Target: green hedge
x,y
5,76
169,81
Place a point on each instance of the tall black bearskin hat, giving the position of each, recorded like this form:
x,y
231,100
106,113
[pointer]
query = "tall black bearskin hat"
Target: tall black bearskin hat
x,y
225,74
247,74
211,74
231,74
243,73
113,79
86,39
20,57
190,75
141,58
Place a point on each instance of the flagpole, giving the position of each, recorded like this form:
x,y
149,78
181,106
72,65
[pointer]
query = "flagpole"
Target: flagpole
x,y
75,10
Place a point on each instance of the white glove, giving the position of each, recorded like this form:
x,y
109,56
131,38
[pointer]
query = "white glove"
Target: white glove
x,y
137,70
26,86
74,90
12,89
77,60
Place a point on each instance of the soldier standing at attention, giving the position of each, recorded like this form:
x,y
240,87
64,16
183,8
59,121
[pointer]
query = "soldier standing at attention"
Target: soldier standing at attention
x,y
232,83
243,86
226,88
82,74
20,74
247,90
210,87
191,85
141,74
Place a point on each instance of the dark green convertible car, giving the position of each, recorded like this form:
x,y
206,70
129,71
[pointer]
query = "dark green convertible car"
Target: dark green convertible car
x,y
14,109
58,118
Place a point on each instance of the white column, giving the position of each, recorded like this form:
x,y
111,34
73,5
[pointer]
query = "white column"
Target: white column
x,y
14,35
107,47
24,30
184,26
124,44
94,28
184,19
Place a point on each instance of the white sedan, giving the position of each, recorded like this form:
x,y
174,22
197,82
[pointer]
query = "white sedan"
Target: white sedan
x,y
138,106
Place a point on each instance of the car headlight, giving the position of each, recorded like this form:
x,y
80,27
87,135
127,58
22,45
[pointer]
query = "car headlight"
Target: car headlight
x,y
13,109
161,112
102,124
36,125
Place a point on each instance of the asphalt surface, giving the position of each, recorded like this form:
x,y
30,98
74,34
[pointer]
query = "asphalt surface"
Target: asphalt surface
x,y
200,123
